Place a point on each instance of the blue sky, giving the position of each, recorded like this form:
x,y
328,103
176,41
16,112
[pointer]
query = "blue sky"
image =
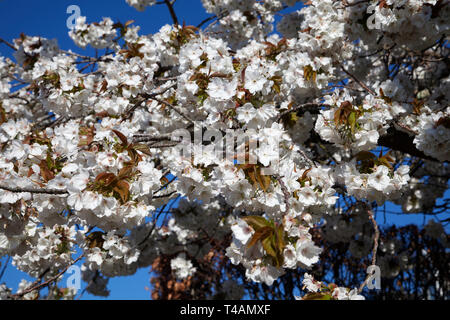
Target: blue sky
x,y
47,18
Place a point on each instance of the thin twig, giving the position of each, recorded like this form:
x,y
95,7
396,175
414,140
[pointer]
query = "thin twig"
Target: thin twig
x,y
8,44
359,82
303,154
171,106
169,5
129,113
206,21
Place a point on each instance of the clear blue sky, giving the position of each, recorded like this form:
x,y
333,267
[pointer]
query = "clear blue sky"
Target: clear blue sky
x,y
47,18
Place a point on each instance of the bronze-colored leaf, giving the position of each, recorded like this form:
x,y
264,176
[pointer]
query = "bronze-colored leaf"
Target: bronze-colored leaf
x,y
105,178
142,148
256,222
46,173
305,174
364,155
95,239
260,235
104,86
123,189
125,172
280,238
121,137
263,181
309,74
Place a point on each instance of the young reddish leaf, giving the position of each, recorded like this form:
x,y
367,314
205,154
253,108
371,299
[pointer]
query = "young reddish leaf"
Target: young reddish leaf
x,y
309,74
383,161
142,148
125,172
443,121
164,180
46,173
121,137
107,178
252,176
305,174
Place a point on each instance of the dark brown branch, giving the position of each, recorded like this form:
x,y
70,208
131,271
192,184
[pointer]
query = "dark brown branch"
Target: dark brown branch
x,y
169,5
206,21
312,107
8,44
33,190
403,142
359,82
4,267
149,138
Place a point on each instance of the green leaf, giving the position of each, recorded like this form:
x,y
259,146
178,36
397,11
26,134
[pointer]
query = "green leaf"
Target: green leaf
x,y
316,296
352,121
267,244
280,241
256,222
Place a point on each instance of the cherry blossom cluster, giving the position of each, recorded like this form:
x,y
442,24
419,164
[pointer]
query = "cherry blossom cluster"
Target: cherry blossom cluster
x,y
233,137
320,291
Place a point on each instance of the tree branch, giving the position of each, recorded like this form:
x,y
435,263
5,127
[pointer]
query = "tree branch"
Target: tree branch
x,y
48,282
8,44
169,5
403,142
32,190
359,81
304,107
174,108
129,113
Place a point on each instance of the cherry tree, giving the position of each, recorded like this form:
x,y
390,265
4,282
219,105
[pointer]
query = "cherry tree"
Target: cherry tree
x,y
239,157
